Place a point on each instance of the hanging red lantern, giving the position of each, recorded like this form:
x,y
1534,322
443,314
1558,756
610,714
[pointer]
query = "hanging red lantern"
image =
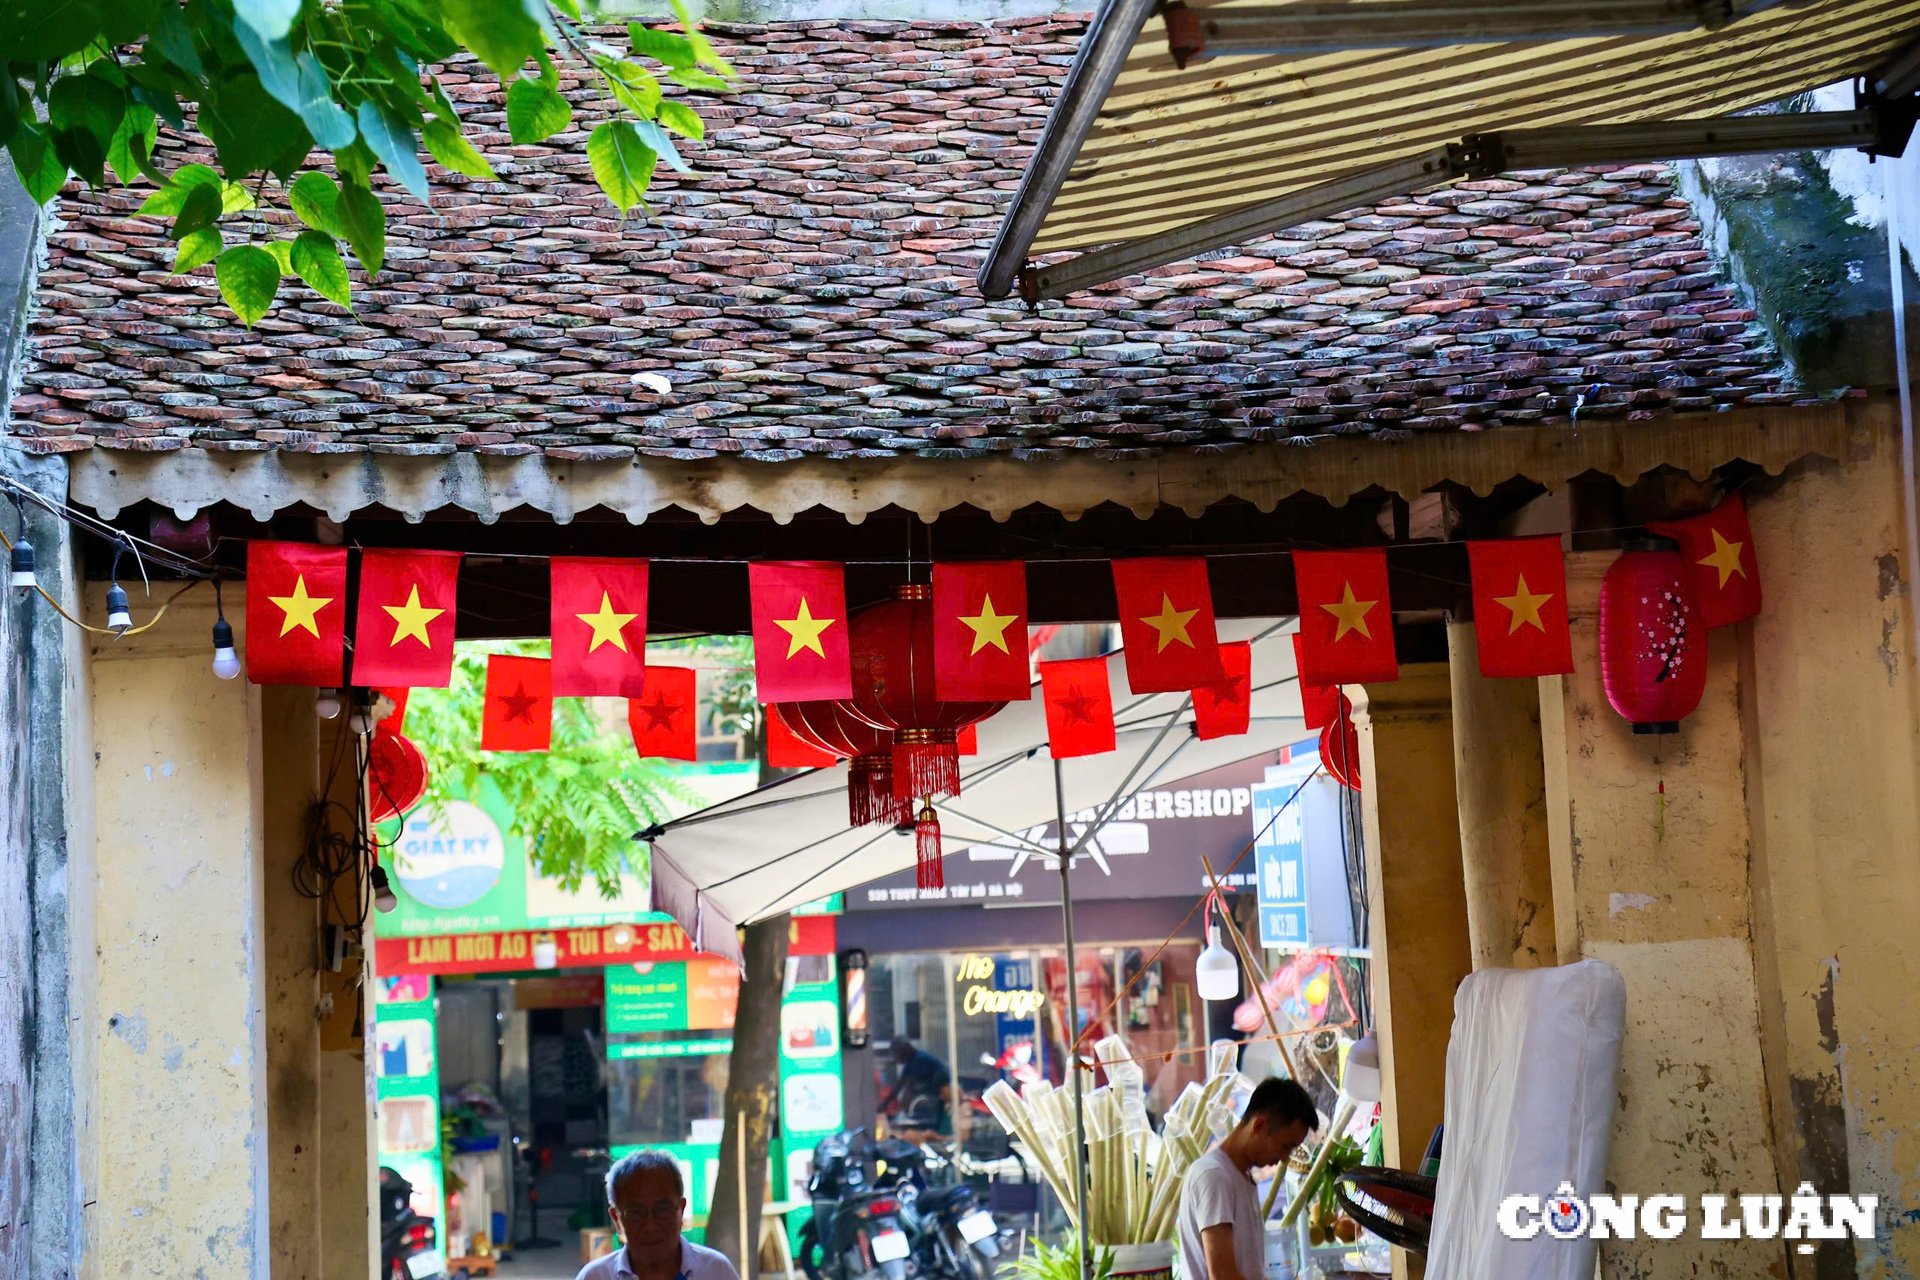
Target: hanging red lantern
x,y
1653,638
868,751
892,647
396,775
1340,747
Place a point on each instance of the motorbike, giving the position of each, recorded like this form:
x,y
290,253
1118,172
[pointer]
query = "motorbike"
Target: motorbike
x,y
952,1235
409,1243
855,1231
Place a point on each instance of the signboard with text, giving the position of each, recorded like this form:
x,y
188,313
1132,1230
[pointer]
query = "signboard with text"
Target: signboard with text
x,y
1300,853
654,940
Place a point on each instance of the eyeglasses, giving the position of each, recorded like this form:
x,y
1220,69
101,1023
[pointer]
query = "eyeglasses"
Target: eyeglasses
x,y
660,1210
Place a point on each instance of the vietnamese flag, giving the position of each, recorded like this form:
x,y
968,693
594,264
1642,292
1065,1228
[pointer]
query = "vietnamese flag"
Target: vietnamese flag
x,y
663,720
1226,709
518,712
1345,617
1719,545
980,632
1520,607
599,627
403,629
785,750
800,650
1079,707
296,614
1319,703
1166,624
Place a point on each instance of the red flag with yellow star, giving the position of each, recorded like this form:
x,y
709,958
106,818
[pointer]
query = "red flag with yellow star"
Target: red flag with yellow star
x,y
800,650
1719,545
1520,607
1079,707
1346,620
663,719
599,625
1319,703
296,614
980,632
403,628
1166,624
518,712
1226,709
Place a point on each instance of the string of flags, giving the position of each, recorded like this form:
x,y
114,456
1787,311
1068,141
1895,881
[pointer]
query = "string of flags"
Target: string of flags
x,y
406,606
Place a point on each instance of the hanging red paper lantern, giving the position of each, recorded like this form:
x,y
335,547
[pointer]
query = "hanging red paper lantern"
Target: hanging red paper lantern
x,y
892,647
396,775
1653,638
869,752
1340,747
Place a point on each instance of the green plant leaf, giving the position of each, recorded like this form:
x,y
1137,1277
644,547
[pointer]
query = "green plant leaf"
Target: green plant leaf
x,y
249,278
501,33
170,199
314,200
664,47
658,141
43,31
702,48
535,112
196,248
173,39
699,80
138,125
250,131
317,261
282,251
88,103
363,225
394,144
622,164
446,144
271,18
326,120
40,171
632,86
201,210
683,120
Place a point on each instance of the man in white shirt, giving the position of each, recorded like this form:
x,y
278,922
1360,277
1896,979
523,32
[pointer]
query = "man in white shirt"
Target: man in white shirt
x,y
1222,1235
648,1203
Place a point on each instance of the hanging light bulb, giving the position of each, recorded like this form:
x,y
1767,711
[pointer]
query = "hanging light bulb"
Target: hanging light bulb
x,y
383,896
1361,1079
362,721
119,620
1216,975
546,953
21,579
326,704
226,663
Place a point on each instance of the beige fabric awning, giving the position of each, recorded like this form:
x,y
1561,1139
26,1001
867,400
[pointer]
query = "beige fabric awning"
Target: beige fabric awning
x,y
1142,154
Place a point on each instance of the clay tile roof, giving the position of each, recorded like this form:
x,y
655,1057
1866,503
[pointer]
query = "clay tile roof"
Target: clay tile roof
x,y
811,292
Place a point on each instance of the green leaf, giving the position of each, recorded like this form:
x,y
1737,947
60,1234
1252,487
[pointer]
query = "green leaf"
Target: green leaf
x,y
446,144
656,140
82,153
140,150
196,248
535,112
138,126
622,164
271,18
571,8
42,31
89,103
699,80
330,125
250,131
683,120
632,85
173,39
663,47
501,33
702,48
393,142
169,200
272,60
282,251
201,210
363,225
41,172
317,261
315,200
249,277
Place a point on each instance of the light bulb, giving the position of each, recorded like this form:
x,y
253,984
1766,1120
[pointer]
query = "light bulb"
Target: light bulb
x,y
383,897
226,663
118,619
362,721
1361,1079
22,579
546,955
326,704
1216,975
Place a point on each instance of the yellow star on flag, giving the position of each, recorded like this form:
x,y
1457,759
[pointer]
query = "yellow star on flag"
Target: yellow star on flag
x,y
1351,614
299,608
411,618
989,628
803,630
607,625
1725,557
1524,606
1171,624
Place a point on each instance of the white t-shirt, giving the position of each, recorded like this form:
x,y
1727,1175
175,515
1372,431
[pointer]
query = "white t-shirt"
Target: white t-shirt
x,y
1216,1192
697,1262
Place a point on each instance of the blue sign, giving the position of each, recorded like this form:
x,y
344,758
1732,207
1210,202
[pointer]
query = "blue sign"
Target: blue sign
x,y
1280,854
1013,975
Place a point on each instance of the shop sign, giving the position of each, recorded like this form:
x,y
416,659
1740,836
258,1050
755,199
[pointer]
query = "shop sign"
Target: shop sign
x,y
656,940
1300,856
563,991
692,995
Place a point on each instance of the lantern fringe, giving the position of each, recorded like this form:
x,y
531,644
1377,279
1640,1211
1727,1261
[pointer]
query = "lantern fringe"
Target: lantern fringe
x,y
929,873
870,794
926,769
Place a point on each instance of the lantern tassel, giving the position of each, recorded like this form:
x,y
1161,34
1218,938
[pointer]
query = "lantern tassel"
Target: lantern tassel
x,y
870,794
926,768
929,872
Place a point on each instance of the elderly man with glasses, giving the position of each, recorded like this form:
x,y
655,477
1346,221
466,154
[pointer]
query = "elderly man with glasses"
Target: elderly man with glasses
x,y
647,1199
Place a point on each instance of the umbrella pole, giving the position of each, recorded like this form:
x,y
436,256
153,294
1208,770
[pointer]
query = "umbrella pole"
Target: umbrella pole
x,y
1073,1026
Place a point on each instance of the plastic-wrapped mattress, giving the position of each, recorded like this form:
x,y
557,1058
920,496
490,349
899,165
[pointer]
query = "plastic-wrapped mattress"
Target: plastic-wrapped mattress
x,y
1531,1083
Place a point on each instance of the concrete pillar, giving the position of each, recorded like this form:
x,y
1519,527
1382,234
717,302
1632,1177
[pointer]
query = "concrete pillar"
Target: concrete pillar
x,y
177,1077
1662,894
1500,783
1418,906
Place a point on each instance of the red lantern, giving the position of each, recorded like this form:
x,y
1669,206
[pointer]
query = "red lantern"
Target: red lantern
x,y
831,727
396,775
1340,747
1653,638
892,647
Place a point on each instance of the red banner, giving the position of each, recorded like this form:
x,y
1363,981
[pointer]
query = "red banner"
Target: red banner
x,y
599,627
1166,624
1226,709
980,632
296,613
800,649
404,629
575,948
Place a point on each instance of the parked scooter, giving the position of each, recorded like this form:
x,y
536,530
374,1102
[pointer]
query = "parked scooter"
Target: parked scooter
x,y
409,1243
953,1236
855,1232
